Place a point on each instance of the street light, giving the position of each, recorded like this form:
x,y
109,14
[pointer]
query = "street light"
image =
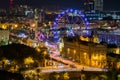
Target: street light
x,y
33,25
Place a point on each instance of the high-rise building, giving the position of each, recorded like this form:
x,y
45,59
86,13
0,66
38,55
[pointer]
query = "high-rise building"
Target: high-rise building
x,y
89,5
11,3
96,5
4,37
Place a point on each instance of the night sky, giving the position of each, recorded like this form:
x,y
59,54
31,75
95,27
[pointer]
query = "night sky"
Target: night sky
x,y
78,4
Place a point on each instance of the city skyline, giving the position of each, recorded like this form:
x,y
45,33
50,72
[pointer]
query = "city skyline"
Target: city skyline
x,y
59,40
77,4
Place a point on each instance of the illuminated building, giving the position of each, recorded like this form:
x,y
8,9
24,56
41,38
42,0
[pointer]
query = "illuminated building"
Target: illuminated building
x,y
93,5
95,11
85,53
89,5
110,37
113,54
98,5
4,37
113,48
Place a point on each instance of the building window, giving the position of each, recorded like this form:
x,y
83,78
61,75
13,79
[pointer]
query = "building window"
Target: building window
x,y
68,50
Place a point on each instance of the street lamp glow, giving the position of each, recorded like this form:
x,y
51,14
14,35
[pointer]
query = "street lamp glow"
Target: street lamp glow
x,y
16,25
33,25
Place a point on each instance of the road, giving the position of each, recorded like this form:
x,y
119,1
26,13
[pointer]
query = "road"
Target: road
x,y
72,66
76,66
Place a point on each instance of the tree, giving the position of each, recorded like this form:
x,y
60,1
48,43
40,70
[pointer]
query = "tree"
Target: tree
x,y
20,52
5,75
111,65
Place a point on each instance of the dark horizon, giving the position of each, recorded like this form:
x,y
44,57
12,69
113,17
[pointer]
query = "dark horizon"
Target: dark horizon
x,y
77,4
